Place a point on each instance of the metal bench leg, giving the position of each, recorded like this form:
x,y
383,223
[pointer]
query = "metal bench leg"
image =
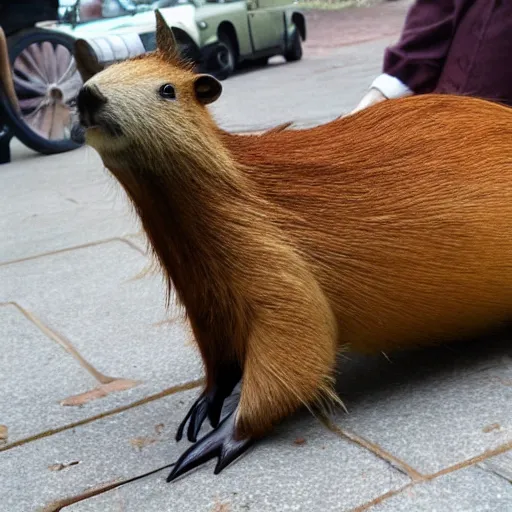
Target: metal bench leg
x,y
5,144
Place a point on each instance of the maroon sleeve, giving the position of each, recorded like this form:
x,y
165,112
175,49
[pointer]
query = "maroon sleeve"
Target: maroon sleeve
x,y
418,58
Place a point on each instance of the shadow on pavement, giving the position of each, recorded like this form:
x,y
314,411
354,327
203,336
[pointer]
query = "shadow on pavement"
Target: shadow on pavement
x,y
359,376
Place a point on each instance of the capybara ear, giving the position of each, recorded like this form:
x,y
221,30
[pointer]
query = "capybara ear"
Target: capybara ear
x,y
207,88
86,61
165,40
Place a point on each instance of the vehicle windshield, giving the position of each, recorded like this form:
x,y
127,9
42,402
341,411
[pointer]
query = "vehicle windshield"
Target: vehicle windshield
x,y
84,11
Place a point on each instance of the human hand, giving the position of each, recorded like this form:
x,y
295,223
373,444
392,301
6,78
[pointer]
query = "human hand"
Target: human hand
x,y
372,97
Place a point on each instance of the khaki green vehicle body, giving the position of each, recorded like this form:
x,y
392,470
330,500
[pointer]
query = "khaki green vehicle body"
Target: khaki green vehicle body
x,y
260,25
242,29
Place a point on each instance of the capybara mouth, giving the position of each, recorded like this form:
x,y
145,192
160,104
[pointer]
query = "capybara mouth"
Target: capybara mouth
x,y
79,130
108,126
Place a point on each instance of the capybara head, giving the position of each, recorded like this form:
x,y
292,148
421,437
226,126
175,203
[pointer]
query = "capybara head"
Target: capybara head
x,y
144,103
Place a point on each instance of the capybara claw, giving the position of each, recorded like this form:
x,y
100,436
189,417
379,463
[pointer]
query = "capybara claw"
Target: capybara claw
x,y
220,443
207,405
197,414
196,420
210,405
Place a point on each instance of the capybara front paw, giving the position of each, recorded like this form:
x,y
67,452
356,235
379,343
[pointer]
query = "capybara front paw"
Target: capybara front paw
x,y
209,404
220,443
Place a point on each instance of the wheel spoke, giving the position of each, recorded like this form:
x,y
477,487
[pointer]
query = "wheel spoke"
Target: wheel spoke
x,y
23,66
69,73
64,60
24,87
30,103
27,63
47,120
50,61
61,118
71,87
37,55
34,121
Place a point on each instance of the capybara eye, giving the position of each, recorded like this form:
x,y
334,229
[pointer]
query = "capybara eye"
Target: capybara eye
x,y
167,91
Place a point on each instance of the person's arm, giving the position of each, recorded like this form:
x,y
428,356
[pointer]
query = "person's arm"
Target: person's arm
x,y
414,63
417,59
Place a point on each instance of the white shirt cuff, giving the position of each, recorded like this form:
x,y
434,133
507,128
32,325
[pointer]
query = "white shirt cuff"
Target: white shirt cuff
x,y
391,87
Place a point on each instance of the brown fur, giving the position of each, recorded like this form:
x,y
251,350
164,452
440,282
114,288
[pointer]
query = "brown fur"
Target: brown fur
x,y
386,229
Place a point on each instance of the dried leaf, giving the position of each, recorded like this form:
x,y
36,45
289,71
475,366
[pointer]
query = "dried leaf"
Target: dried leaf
x,y
141,442
63,465
3,434
221,507
100,392
490,428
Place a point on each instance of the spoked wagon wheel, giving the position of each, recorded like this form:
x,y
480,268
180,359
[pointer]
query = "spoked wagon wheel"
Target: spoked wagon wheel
x,y
46,83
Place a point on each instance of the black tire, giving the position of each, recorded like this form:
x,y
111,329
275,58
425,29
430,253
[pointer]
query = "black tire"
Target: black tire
x,y
294,52
225,57
52,100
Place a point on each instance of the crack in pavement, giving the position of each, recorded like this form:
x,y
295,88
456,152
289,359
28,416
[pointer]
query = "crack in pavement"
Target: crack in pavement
x,y
503,470
166,392
64,342
107,384
58,505
474,461
376,450
76,247
382,497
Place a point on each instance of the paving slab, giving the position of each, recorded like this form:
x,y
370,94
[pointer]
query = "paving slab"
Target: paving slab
x,y
434,408
73,461
51,203
301,467
92,297
35,374
467,490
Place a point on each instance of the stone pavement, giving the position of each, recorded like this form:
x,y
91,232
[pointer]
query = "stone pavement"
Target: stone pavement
x,y
96,375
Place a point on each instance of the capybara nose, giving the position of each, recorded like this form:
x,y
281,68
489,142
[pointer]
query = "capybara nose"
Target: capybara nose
x,y
89,103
